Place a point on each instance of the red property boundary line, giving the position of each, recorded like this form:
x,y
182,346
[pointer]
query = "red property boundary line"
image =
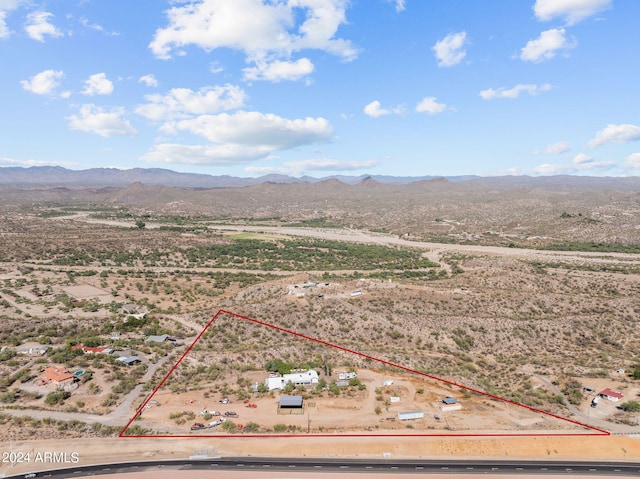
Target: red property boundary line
x,y
598,431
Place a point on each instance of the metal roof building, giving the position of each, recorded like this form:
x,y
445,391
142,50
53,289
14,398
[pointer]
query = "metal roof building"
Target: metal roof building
x,y
290,401
128,360
410,415
157,339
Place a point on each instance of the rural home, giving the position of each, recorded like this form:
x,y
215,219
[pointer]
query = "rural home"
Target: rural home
x,y
57,375
303,378
89,350
613,396
34,351
128,360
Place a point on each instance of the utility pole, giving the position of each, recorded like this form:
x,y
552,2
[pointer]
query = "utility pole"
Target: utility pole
x,y
308,422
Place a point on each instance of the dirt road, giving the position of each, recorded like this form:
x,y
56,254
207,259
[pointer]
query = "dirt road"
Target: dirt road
x,y
434,249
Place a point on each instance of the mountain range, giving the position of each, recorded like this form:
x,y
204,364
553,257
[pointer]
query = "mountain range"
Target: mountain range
x,y
114,177
56,175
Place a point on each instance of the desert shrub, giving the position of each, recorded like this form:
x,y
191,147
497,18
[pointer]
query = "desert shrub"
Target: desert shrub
x,y
631,406
56,397
252,427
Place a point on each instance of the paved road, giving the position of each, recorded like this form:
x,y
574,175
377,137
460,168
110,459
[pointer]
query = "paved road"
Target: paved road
x,y
346,467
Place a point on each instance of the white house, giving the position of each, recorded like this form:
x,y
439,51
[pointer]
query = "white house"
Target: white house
x,y
303,378
614,396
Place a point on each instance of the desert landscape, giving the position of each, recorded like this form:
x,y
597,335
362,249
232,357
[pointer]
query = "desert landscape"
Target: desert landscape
x,y
526,291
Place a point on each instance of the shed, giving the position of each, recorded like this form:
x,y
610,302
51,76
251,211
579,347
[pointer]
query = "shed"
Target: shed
x,y
410,415
290,405
290,401
449,400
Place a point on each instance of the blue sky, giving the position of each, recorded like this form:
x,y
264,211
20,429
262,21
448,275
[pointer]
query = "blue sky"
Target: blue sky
x,y
322,87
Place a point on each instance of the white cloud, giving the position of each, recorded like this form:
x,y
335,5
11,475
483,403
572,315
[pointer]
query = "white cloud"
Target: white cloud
x,y
430,105
301,167
98,84
4,29
43,83
265,31
276,70
400,5
7,6
38,26
573,11
95,26
148,80
581,163
258,129
632,161
215,67
514,92
546,46
14,162
226,154
555,148
375,110
95,119
239,138
449,51
616,134
548,169
582,159
183,102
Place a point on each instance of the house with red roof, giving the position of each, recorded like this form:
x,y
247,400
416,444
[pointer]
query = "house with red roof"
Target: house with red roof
x,y
611,395
89,350
57,375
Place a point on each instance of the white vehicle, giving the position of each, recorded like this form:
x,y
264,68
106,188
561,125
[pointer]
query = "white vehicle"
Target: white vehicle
x,y
204,412
216,423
